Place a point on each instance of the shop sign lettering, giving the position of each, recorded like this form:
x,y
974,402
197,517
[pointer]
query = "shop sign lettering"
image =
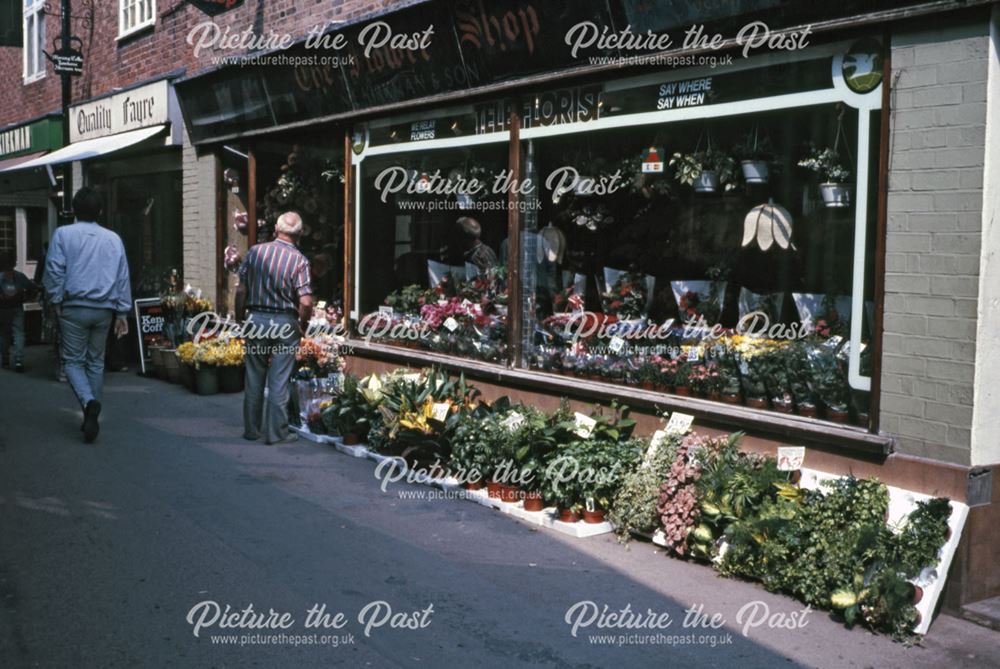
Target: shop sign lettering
x,y
689,93
130,110
499,30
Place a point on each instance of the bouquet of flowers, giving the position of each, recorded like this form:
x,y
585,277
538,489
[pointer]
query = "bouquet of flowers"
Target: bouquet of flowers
x,y
318,357
627,297
410,299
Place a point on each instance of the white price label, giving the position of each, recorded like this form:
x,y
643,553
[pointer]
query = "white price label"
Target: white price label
x,y
513,421
790,458
439,411
385,310
679,423
451,324
617,344
694,354
584,425
652,167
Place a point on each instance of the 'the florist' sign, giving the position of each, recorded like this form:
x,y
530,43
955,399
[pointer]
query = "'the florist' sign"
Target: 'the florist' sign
x,y
129,110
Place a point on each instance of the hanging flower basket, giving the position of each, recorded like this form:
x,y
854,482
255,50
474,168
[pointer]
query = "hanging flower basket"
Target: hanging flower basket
x,y
835,195
755,171
707,182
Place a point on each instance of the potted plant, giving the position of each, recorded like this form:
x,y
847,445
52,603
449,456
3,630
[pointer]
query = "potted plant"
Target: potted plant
x,y
186,353
705,171
231,376
755,154
207,357
833,173
350,413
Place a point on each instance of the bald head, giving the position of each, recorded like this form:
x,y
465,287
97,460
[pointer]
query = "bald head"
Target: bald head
x,y
289,224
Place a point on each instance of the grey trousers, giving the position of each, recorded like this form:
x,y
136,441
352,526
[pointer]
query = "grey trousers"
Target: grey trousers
x,y
12,334
84,334
270,361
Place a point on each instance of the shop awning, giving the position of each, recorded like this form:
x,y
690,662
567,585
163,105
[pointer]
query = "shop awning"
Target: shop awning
x,y
12,163
90,148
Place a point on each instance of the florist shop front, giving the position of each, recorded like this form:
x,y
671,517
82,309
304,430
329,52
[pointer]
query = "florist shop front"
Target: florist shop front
x,y
702,240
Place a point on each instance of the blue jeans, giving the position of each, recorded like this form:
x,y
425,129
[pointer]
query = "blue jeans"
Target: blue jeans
x,y
84,334
12,334
270,361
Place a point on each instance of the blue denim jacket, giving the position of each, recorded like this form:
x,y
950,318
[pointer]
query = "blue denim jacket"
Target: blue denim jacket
x,y
86,267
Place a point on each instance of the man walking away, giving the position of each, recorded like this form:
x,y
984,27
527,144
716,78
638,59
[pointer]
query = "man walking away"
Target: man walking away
x,y
86,276
275,289
15,290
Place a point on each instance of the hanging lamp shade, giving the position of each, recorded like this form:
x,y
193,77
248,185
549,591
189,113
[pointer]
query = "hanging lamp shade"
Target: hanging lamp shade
x,y
768,224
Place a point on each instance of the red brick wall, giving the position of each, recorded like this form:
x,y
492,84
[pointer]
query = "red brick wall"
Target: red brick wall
x,y
111,64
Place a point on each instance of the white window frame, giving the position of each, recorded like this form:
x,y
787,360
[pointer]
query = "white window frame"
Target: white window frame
x,y
34,14
136,8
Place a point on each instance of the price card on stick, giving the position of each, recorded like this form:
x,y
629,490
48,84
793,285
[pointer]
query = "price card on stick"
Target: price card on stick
x,y
439,411
451,324
617,344
584,425
679,423
790,458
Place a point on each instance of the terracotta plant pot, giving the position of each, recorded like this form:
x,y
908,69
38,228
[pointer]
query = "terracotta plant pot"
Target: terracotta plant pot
x,y
781,406
569,516
918,593
731,399
863,420
647,385
206,380
684,391
795,477
836,415
493,489
533,501
352,439
807,410
663,388
231,378
715,396
594,517
509,494
474,485
756,402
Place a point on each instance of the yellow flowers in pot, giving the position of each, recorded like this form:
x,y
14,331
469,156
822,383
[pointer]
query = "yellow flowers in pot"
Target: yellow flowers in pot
x,y
215,352
186,352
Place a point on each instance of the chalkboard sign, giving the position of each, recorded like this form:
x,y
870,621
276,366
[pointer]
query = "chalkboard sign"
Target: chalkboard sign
x,y
149,325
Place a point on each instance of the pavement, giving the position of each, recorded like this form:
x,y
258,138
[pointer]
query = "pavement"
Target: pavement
x,y
115,554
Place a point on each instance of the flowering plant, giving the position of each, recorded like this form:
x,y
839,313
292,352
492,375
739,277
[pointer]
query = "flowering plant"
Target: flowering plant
x,y
195,304
828,164
627,297
318,356
186,352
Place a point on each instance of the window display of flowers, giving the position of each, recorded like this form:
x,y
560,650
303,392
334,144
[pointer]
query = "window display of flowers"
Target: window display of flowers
x,y
627,297
195,304
410,299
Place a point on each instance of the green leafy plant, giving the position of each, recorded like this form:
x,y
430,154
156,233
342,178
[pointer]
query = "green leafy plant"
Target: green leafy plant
x,y
633,509
688,167
350,411
410,299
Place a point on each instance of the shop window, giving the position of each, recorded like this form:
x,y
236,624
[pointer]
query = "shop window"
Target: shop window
x,y
431,253
305,174
34,40
709,257
135,15
7,241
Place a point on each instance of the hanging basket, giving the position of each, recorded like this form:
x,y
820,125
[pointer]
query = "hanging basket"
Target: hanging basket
x,y
835,196
755,171
707,182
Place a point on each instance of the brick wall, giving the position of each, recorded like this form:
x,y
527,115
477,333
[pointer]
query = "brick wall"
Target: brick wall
x,y
110,63
198,211
938,123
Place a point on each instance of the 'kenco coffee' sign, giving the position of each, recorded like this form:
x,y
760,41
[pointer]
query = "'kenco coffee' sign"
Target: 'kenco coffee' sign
x,y
129,110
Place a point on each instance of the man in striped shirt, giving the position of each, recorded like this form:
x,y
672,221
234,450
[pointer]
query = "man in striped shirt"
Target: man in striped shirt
x,y
275,296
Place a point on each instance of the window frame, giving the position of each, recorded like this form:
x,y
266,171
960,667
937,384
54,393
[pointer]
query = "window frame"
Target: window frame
x,y
34,10
123,6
